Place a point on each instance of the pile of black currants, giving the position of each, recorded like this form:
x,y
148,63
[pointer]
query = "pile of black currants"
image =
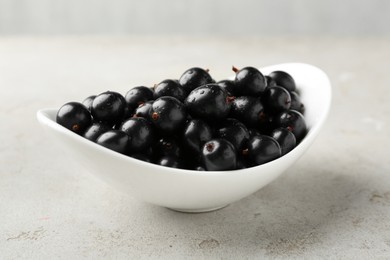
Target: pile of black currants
x,y
195,122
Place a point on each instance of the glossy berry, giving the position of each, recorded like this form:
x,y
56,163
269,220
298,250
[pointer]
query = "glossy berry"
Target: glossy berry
x,y
262,149
167,146
95,130
138,95
146,155
242,163
270,81
276,99
170,161
266,125
285,138
199,168
283,79
248,110
253,132
88,102
74,116
170,87
108,107
296,103
143,109
234,131
141,156
141,133
249,82
168,114
209,102
193,78
219,155
228,86
293,121
196,133
115,140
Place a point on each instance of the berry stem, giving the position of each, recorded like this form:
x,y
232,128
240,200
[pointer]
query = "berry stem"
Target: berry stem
x,y
235,69
209,147
75,128
229,99
262,116
155,116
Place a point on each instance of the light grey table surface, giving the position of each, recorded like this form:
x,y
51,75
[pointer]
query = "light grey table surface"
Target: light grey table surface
x,y
333,203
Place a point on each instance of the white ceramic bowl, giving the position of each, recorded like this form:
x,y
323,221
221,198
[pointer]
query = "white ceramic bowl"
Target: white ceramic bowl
x,y
195,191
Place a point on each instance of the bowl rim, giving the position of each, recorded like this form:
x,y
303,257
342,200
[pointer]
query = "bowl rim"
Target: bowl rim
x,y
46,116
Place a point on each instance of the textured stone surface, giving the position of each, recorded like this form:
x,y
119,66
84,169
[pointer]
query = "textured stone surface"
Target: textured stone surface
x,y
333,203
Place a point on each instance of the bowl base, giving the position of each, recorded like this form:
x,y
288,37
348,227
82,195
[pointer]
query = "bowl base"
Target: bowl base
x,y
198,210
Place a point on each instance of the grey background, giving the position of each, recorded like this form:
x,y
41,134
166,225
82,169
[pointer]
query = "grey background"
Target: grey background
x,y
265,17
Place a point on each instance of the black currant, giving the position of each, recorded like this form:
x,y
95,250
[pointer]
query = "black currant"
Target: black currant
x,y
219,155
242,163
168,114
228,86
193,78
74,116
88,102
196,133
285,138
143,109
141,156
266,125
140,131
170,161
234,131
293,121
276,99
283,79
248,110
170,87
270,81
199,168
296,103
138,95
249,82
167,146
108,107
209,102
262,149
115,140
95,130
